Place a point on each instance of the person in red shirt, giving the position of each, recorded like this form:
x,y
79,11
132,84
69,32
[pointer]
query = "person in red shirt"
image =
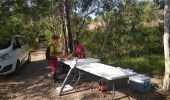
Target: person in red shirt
x,y
79,50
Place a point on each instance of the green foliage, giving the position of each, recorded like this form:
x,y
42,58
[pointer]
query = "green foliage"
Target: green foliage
x,y
29,18
134,37
145,64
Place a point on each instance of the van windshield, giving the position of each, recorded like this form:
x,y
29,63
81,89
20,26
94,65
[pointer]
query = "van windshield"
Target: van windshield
x,y
5,42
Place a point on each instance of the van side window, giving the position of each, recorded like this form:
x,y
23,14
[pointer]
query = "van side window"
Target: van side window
x,y
22,41
16,44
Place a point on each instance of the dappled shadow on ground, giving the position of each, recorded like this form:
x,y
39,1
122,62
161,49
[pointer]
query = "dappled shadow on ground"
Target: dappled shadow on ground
x,y
122,91
149,95
32,82
88,86
124,94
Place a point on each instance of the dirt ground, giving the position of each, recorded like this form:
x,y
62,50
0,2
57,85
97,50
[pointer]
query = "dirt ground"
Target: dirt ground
x,y
33,83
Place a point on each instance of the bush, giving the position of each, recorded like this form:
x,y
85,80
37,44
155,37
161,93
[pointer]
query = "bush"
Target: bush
x,y
152,64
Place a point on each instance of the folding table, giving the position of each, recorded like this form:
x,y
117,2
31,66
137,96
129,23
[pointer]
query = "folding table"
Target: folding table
x,y
104,71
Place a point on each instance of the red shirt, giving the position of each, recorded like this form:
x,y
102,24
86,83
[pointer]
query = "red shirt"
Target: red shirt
x,y
79,51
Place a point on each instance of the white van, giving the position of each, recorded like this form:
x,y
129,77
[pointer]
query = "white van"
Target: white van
x,y
14,52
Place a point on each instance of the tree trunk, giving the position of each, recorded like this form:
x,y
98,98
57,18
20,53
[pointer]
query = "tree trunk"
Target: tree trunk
x,y
166,82
68,34
64,32
63,27
79,29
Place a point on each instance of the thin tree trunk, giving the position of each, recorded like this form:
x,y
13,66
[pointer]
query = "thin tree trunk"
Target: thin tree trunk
x,y
65,23
65,38
63,26
78,32
69,27
68,34
166,82
110,29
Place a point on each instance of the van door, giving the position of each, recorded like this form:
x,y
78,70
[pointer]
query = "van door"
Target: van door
x,y
22,51
16,49
25,49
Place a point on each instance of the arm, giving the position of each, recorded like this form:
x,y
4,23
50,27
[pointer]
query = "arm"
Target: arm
x,y
69,56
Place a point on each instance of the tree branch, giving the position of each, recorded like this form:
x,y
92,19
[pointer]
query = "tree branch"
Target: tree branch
x,y
84,20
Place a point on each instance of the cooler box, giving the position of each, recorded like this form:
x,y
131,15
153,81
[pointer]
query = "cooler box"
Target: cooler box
x,y
140,83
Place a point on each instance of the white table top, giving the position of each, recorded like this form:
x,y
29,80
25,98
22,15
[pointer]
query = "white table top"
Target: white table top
x,y
106,71
83,61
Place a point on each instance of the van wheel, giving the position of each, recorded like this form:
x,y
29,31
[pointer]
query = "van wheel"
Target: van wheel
x,y
17,69
29,58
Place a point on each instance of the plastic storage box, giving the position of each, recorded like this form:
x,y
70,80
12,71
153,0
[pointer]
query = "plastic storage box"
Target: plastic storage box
x,y
140,83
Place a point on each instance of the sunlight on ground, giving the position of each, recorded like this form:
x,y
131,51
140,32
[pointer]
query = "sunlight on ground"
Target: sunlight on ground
x,y
39,56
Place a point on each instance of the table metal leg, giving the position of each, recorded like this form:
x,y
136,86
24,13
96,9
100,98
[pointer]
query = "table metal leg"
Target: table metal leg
x,y
77,80
113,92
127,95
65,80
113,95
74,77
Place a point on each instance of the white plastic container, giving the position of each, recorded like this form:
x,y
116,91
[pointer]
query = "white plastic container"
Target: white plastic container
x,y
140,83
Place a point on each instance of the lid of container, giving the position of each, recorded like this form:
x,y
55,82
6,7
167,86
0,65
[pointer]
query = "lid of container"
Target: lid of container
x,y
140,77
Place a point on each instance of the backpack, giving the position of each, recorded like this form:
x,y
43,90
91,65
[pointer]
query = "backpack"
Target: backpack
x,y
47,53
